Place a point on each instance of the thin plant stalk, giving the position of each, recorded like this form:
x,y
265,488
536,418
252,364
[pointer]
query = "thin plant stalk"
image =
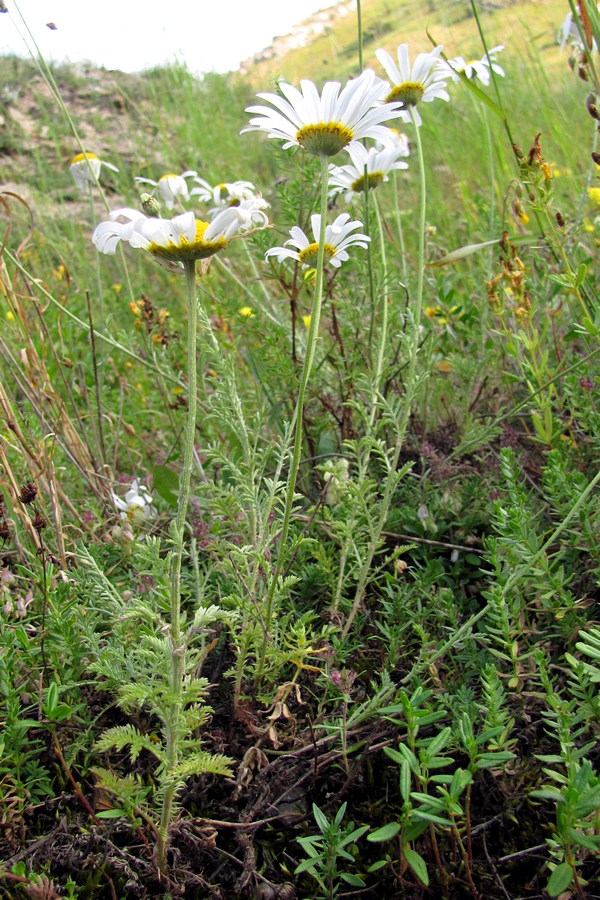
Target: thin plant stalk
x,y
311,345
418,309
409,392
399,227
367,226
384,319
360,34
176,639
99,295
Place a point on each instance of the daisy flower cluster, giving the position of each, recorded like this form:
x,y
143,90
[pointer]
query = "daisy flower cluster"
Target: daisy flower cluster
x,y
344,118
171,188
237,207
339,118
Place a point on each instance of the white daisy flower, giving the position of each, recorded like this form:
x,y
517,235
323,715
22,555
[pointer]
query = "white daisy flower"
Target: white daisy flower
x,y
338,237
137,504
395,139
379,162
250,213
107,235
171,188
324,124
175,240
474,68
569,33
85,169
240,195
224,194
413,86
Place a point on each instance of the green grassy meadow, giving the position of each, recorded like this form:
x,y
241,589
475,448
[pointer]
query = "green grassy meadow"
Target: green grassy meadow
x,y
345,641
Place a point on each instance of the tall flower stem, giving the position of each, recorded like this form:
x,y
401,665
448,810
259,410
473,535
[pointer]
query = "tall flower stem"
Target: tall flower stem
x,y
399,227
366,457
418,308
311,346
99,295
176,640
391,481
384,319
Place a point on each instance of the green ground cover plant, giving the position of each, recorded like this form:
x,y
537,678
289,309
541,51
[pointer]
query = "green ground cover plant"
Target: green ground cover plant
x,y
299,439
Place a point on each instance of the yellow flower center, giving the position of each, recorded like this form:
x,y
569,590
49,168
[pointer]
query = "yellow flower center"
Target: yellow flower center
x,y
409,92
135,511
372,180
80,157
324,138
185,250
168,175
308,256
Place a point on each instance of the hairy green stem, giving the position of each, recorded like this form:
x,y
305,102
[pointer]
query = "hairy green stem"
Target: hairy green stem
x,y
176,641
398,216
364,461
384,320
311,346
391,481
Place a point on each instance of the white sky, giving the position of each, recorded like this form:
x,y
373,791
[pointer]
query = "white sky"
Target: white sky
x,y
209,35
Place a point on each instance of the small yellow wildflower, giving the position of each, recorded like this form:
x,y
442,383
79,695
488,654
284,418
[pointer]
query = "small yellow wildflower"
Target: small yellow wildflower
x,y
306,320
10,316
117,287
247,312
594,195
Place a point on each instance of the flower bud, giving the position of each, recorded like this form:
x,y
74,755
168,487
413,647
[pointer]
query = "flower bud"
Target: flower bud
x,y
150,205
590,102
